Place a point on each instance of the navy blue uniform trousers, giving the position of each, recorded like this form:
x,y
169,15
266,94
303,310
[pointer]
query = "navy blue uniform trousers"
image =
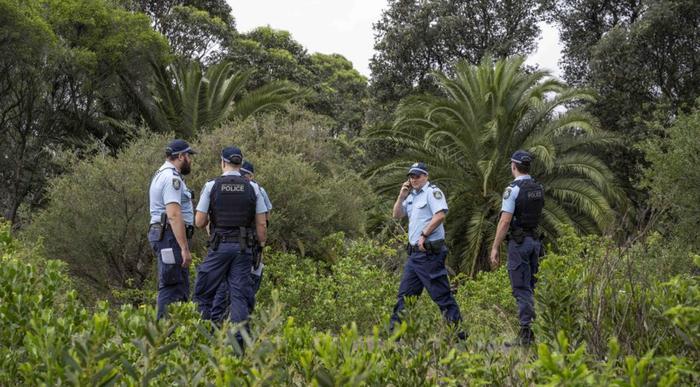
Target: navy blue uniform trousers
x,y
230,265
523,262
173,279
220,306
425,270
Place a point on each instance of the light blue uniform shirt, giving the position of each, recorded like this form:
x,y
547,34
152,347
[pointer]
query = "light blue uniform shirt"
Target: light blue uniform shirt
x,y
167,186
203,205
510,194
420,206
268,203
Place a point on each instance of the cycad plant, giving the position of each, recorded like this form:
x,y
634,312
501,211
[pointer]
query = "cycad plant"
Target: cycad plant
x,y
467,135
187,100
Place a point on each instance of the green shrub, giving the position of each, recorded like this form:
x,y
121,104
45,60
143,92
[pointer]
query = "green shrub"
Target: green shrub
x,y
328,295
52,339
97,218
593,291
673,178
97,215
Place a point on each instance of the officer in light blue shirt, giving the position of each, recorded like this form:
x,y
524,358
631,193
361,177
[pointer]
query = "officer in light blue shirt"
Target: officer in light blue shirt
x,y
425,206
521,210
171,224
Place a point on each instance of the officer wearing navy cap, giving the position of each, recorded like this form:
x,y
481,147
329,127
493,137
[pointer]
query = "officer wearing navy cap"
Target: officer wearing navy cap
x,y
221,302
521,210
425,206
236,211
171,224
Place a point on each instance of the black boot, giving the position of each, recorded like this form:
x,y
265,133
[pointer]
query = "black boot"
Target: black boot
x,y
525,338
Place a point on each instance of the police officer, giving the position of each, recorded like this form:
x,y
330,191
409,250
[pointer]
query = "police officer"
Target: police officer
x,y
235,209
425,206
221,302
521,210
248,171
171,229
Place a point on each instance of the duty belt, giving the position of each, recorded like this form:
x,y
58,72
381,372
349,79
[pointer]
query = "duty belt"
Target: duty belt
x,y
189,229
431,247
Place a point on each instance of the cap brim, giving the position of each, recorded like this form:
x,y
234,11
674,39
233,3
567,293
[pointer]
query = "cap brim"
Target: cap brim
x,y
416,170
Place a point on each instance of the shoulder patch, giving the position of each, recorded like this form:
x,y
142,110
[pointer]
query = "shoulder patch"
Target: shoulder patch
x,y
506,193
437,194
176,183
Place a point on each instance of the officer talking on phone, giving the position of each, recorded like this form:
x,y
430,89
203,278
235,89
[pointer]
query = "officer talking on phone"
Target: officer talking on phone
x,y
425,206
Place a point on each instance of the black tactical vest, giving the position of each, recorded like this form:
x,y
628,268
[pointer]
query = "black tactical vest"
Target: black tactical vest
x,y
232,204
528,205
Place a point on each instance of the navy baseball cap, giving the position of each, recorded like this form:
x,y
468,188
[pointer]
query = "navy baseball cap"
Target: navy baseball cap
x,y
232,155
521,157
175,147
247,167
418,168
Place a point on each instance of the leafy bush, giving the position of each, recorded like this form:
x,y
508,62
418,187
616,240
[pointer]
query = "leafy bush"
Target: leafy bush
x,y
328,295
593,291
673,178
97,215
52,339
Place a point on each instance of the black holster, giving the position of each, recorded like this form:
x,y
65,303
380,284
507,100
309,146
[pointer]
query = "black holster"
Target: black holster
x,y
257,256
163,224
214,241
434,247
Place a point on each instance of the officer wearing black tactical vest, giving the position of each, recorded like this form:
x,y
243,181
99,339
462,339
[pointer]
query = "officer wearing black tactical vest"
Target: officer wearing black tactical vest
x,y
521,211
235,209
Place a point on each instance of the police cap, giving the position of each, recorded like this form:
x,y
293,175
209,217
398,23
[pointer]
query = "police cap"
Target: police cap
x,y
521,157
232,155
247,168
417,169
177,146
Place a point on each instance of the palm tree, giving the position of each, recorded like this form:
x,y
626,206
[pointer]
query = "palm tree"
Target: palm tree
x,y
187,100
467,135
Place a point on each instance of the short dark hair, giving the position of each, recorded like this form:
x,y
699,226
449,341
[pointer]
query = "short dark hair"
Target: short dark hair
x,y
522,168
171,157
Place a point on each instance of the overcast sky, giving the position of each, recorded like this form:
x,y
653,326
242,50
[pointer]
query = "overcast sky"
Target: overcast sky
x,y
345,27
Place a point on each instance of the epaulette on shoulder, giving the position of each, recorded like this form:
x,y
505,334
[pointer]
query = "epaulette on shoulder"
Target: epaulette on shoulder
x,y
433,186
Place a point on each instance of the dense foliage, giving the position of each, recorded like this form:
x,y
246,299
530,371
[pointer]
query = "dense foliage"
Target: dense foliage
x,y
313,196
468,135
92,90
644,328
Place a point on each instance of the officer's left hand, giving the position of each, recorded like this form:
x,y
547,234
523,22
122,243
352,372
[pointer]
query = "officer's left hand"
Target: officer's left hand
x,y
421,242
494,258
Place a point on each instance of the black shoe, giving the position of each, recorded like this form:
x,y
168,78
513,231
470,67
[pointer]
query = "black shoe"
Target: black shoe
x,y
462,335
525,338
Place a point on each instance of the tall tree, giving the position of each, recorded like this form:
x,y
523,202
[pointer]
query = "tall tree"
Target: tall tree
x,y
467,136
335,88
196,29
641,57
414,38
582,23
69,72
